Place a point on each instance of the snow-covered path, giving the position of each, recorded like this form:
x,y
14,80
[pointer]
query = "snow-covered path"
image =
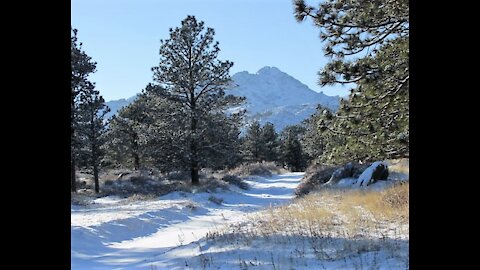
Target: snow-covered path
x,y
117,234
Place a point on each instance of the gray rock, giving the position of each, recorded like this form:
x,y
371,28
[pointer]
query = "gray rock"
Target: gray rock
x,y
377,171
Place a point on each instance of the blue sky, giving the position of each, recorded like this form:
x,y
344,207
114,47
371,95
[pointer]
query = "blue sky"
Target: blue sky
x,y
123,37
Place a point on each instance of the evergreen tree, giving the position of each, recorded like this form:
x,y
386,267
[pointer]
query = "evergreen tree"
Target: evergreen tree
x,y
253,146
269,138
193,79
127,142
81,67
260,143
291,149
367,42
314,139
91,131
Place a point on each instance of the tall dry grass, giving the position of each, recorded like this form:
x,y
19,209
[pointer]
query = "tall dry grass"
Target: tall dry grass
x,y
348,212
332,226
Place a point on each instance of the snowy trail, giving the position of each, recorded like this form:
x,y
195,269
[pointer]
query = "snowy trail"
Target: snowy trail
x,y
116,234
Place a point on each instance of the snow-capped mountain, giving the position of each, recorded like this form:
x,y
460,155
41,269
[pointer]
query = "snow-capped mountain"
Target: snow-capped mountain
x,y
276,97
271,96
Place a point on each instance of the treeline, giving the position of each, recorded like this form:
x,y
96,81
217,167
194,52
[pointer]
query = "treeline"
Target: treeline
x,y
184,120
181,121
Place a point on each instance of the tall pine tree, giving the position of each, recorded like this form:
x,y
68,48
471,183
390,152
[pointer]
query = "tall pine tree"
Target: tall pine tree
x,y
81,67
192,78
91,131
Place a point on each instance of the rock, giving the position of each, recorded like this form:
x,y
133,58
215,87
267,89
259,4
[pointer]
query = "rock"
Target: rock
x,y
377,171
340,173
349,170
314,177
359,169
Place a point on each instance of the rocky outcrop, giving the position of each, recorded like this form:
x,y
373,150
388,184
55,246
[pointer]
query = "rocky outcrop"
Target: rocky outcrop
x,y
356,175
377,171
315,176
349,170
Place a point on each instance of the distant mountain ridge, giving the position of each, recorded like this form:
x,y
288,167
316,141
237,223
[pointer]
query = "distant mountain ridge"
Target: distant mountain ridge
x,y
271,96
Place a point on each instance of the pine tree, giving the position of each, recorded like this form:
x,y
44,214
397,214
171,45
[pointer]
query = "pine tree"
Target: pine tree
x,y
91,131
260,143
314,140
269,138
291,149
127,142
81,67
194,80
367,42
253,145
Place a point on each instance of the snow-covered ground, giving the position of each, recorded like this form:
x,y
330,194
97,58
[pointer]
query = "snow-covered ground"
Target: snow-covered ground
x,y
117,233
192,231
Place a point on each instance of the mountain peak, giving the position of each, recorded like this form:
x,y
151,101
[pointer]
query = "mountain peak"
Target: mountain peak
x,y
269,70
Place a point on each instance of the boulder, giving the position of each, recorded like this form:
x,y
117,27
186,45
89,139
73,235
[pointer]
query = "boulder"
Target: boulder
x,y
358,169
349,170
314,177
377,171
343,172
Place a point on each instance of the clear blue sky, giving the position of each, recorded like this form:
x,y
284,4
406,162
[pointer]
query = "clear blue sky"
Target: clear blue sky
x,y
123,37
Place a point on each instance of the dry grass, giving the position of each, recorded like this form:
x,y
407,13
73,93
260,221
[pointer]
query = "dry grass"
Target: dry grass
x,y
340,213
329,225
259,168
399,165
367,207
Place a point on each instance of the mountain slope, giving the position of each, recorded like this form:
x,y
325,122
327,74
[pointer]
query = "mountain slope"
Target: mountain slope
x,y
276,97
117,104
272,96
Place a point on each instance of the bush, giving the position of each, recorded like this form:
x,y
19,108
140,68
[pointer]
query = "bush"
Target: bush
x,y
108,182
215,200
260,169
141,186
235,180
139,180
211,184
179,176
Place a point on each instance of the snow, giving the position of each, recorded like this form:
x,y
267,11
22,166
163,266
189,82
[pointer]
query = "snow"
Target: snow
x,y
116,233
171,232
276,97
367,174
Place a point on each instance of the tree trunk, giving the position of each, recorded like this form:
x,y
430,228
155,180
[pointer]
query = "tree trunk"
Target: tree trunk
x,y
194,154
72,173
136,158
95,178
195,178
136,161
193,142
